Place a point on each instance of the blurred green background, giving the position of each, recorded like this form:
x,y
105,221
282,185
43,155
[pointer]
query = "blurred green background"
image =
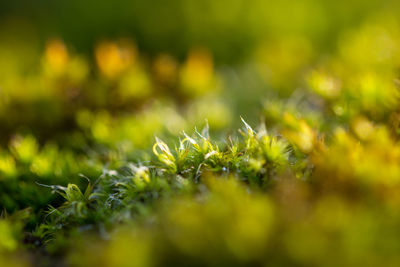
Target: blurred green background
x,y
62,58
230,29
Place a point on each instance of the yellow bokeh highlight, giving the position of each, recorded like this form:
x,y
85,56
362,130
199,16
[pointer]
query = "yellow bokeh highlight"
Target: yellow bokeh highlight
x,y
197,73
56,55
8,165
113,58
299,132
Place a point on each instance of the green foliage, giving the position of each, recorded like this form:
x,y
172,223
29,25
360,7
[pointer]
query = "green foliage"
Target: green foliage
x,y
102,163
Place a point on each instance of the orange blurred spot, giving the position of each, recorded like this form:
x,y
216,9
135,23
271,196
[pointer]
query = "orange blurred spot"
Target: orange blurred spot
x,y
56,55
115,57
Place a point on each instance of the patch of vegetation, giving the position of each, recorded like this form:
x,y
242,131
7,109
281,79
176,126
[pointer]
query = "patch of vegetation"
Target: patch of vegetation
x,y
125,158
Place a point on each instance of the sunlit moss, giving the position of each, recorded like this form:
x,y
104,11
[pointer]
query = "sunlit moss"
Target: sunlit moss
x,y
199,230
375,91
372,162
299,132
317,185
